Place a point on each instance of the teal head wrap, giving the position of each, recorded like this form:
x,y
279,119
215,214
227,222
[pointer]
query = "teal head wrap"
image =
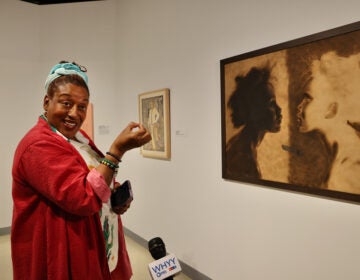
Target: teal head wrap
x,y
63,69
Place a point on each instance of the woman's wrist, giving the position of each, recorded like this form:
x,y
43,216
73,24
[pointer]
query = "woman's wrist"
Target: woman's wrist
x,y
114,156
115,153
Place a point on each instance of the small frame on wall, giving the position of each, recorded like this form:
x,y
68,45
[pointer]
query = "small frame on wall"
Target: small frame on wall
x,y
290,115
154,114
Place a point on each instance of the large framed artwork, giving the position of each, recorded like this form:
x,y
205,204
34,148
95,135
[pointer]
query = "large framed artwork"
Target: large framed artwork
x,y
154,114
291,115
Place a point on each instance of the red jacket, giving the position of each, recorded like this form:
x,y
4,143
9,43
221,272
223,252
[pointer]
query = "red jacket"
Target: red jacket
x,y
56,231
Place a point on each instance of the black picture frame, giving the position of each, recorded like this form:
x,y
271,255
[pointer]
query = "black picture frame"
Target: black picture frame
x,y
312,146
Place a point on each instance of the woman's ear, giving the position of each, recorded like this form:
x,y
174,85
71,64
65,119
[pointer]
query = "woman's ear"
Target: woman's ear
x,y
46,102
331,110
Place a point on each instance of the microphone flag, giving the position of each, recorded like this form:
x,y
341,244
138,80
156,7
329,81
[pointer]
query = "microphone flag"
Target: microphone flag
x,y
164,267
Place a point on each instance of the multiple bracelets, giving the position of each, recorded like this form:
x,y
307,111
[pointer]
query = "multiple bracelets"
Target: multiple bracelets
x,y
112,165
109,164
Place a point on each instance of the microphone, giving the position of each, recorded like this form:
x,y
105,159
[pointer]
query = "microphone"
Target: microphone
x,y
164,266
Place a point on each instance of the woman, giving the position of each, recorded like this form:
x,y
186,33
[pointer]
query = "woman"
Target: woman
x,y
60,183
254,109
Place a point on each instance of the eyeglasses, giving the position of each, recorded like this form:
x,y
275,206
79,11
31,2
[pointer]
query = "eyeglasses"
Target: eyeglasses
x,y
82,68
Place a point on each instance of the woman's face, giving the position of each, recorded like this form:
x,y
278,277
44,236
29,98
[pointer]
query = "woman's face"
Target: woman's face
x,y
266,113
313,110
301,112
332,95
66,110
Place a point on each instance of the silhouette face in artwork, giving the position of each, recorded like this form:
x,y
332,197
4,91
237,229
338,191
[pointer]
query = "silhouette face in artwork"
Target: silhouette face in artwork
x,y
253,103
301,110
319,104
253,107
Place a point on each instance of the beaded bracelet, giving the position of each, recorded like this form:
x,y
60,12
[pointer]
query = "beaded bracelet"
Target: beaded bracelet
x,y
109,164
114,156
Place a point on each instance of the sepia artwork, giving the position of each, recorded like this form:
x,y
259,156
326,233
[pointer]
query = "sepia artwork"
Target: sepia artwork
x,y
291,115
154,114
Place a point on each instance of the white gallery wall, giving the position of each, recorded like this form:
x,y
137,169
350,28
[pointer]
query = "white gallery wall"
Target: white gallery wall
x,y
226,230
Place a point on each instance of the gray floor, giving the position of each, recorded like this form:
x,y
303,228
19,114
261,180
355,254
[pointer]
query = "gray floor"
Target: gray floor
x,y
139,256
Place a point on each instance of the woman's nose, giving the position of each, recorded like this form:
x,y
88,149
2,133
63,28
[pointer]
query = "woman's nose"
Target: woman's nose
x,y
73,111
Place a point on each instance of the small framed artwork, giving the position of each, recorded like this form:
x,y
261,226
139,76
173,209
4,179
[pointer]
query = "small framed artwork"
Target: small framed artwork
x,y
290,115
154,114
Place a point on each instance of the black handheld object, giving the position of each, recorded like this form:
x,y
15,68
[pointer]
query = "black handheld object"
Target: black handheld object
x,y
121,195
157,250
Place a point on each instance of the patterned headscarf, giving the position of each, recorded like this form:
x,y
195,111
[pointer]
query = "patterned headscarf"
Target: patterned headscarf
x,y
63,69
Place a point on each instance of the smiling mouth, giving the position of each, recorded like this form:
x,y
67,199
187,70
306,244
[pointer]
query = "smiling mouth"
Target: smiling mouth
x,y
70,124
